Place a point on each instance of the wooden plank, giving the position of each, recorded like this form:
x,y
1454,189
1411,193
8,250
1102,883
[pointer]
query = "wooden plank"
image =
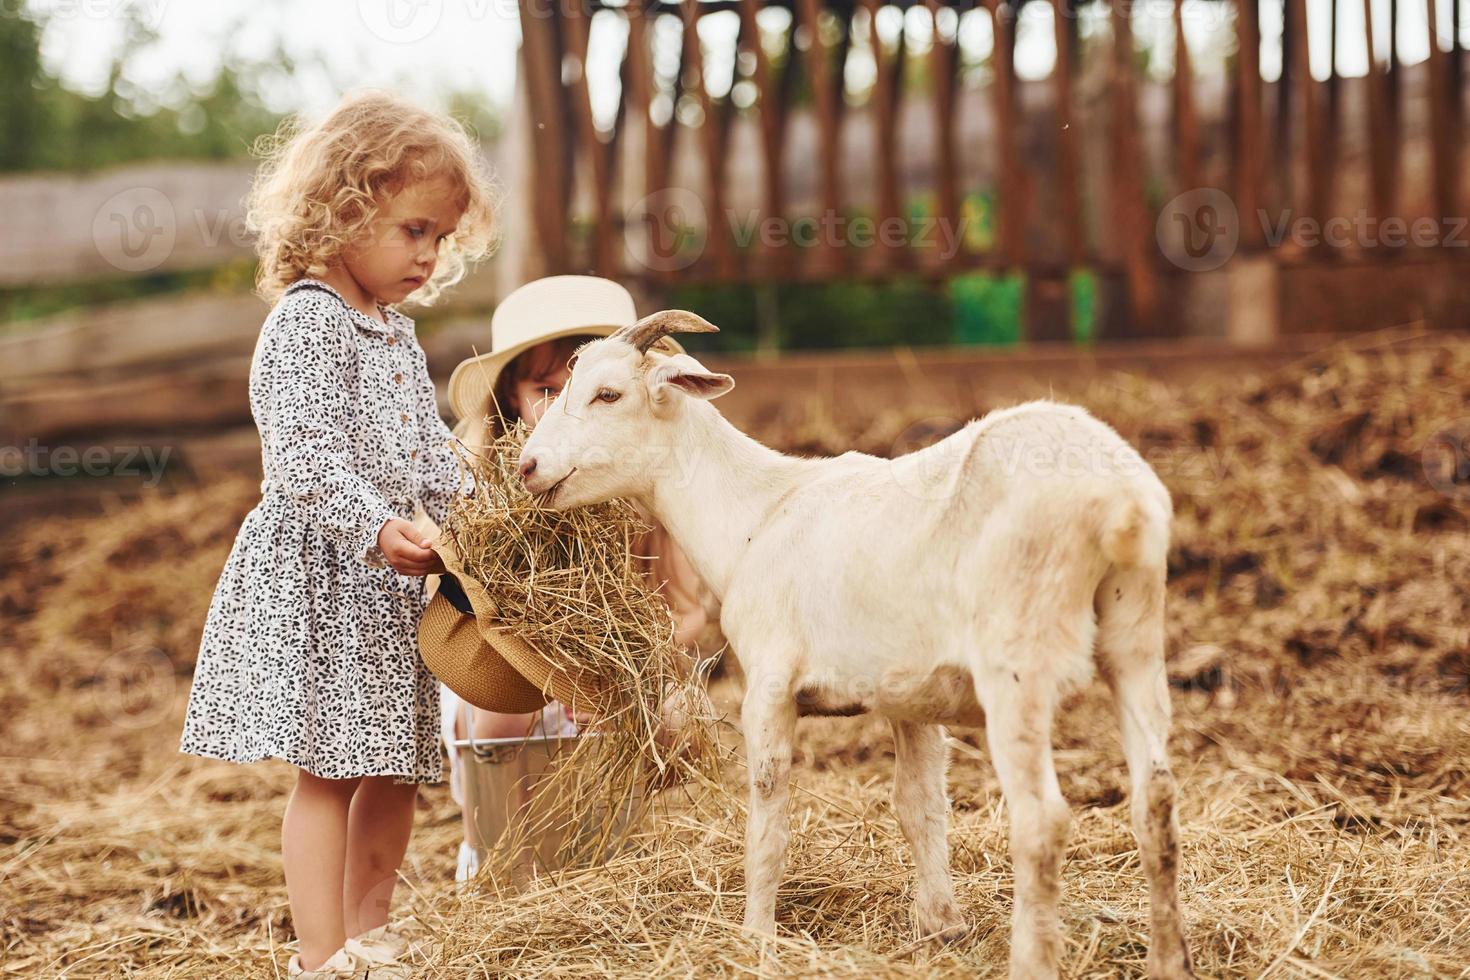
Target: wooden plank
x,y
859,379
769,117
826,256
132,335
202,396
1248,132
717,250
129,221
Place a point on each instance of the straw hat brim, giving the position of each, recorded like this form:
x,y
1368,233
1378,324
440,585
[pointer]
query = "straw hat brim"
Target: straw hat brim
x,y
502,672
474,378
455,652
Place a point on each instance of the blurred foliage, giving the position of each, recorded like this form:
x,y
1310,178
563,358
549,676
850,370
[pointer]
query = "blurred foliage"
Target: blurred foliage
x,y
818,316
976,309
46,126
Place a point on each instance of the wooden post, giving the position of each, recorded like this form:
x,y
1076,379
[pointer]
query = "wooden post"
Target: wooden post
x,y
1382,140
599,160
1186,129
1069,203
717,241
769,112
550,181
1011,202
1445,124
941,77
827,257
1308,198
889,253
1248,133
1127,182
1326,181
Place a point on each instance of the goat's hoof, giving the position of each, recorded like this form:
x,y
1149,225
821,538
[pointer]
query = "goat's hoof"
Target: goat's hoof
x,y
945,926
1170,964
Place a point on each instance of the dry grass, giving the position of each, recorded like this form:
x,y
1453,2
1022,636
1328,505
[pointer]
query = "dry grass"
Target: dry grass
x,y
1320,656
568,583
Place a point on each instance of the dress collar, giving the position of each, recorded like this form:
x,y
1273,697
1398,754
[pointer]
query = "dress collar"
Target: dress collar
x,y
393,317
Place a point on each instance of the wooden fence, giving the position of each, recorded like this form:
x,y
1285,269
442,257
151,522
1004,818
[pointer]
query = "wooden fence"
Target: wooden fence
x,y
1282,146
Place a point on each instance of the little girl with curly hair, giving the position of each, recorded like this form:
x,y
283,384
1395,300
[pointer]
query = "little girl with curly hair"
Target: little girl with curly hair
x,y
309,650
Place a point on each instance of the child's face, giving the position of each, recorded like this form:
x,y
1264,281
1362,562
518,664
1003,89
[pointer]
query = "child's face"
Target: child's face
x,y
398,253
534,395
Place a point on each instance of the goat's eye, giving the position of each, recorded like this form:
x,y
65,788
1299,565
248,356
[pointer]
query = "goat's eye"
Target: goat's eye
x,y
608,396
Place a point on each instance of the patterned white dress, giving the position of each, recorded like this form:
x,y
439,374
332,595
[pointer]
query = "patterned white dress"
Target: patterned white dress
x,y
310,649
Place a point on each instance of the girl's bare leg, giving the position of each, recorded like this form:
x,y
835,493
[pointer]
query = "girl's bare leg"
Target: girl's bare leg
x,y
379,826
313,854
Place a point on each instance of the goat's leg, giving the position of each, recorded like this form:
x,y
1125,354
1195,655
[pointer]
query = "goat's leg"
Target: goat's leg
x,y
769,721
1131,660
923,813
1018,716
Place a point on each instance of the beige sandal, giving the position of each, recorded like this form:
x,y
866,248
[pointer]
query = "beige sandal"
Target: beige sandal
x,y
387,952
341,965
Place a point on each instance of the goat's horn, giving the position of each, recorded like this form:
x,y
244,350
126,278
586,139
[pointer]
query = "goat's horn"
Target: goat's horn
x,y
647,331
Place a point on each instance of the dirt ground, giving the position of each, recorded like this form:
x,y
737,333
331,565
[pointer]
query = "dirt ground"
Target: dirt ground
x,y
1319,655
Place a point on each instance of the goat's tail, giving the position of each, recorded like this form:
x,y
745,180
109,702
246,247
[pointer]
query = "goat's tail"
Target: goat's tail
x,y
1131,532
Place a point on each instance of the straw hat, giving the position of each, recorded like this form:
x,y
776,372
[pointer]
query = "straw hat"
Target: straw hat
x,y
541,310
485,664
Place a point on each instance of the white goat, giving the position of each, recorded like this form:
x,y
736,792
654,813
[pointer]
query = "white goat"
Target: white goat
x,y
974,581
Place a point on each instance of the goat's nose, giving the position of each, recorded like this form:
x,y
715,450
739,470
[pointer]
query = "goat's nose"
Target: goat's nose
x,y
528,466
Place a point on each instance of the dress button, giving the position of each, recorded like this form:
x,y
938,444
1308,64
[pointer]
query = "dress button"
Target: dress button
x,y
398,378
392,339
403,416
414,454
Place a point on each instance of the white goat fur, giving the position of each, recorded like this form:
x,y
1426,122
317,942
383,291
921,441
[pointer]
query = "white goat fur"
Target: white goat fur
x,y
972,582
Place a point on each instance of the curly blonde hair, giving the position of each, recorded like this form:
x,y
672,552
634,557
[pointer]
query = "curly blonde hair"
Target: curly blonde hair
x,y
320,187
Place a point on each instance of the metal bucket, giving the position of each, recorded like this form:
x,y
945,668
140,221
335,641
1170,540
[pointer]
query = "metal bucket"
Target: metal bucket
x,y
500,775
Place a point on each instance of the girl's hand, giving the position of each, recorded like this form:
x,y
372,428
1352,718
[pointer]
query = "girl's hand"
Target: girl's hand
x,y
407,550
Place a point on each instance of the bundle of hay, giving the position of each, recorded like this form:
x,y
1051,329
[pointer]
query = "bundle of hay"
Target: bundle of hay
x,y
569,584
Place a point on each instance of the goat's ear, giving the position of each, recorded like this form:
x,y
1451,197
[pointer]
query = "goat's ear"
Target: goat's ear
x,y
689,376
